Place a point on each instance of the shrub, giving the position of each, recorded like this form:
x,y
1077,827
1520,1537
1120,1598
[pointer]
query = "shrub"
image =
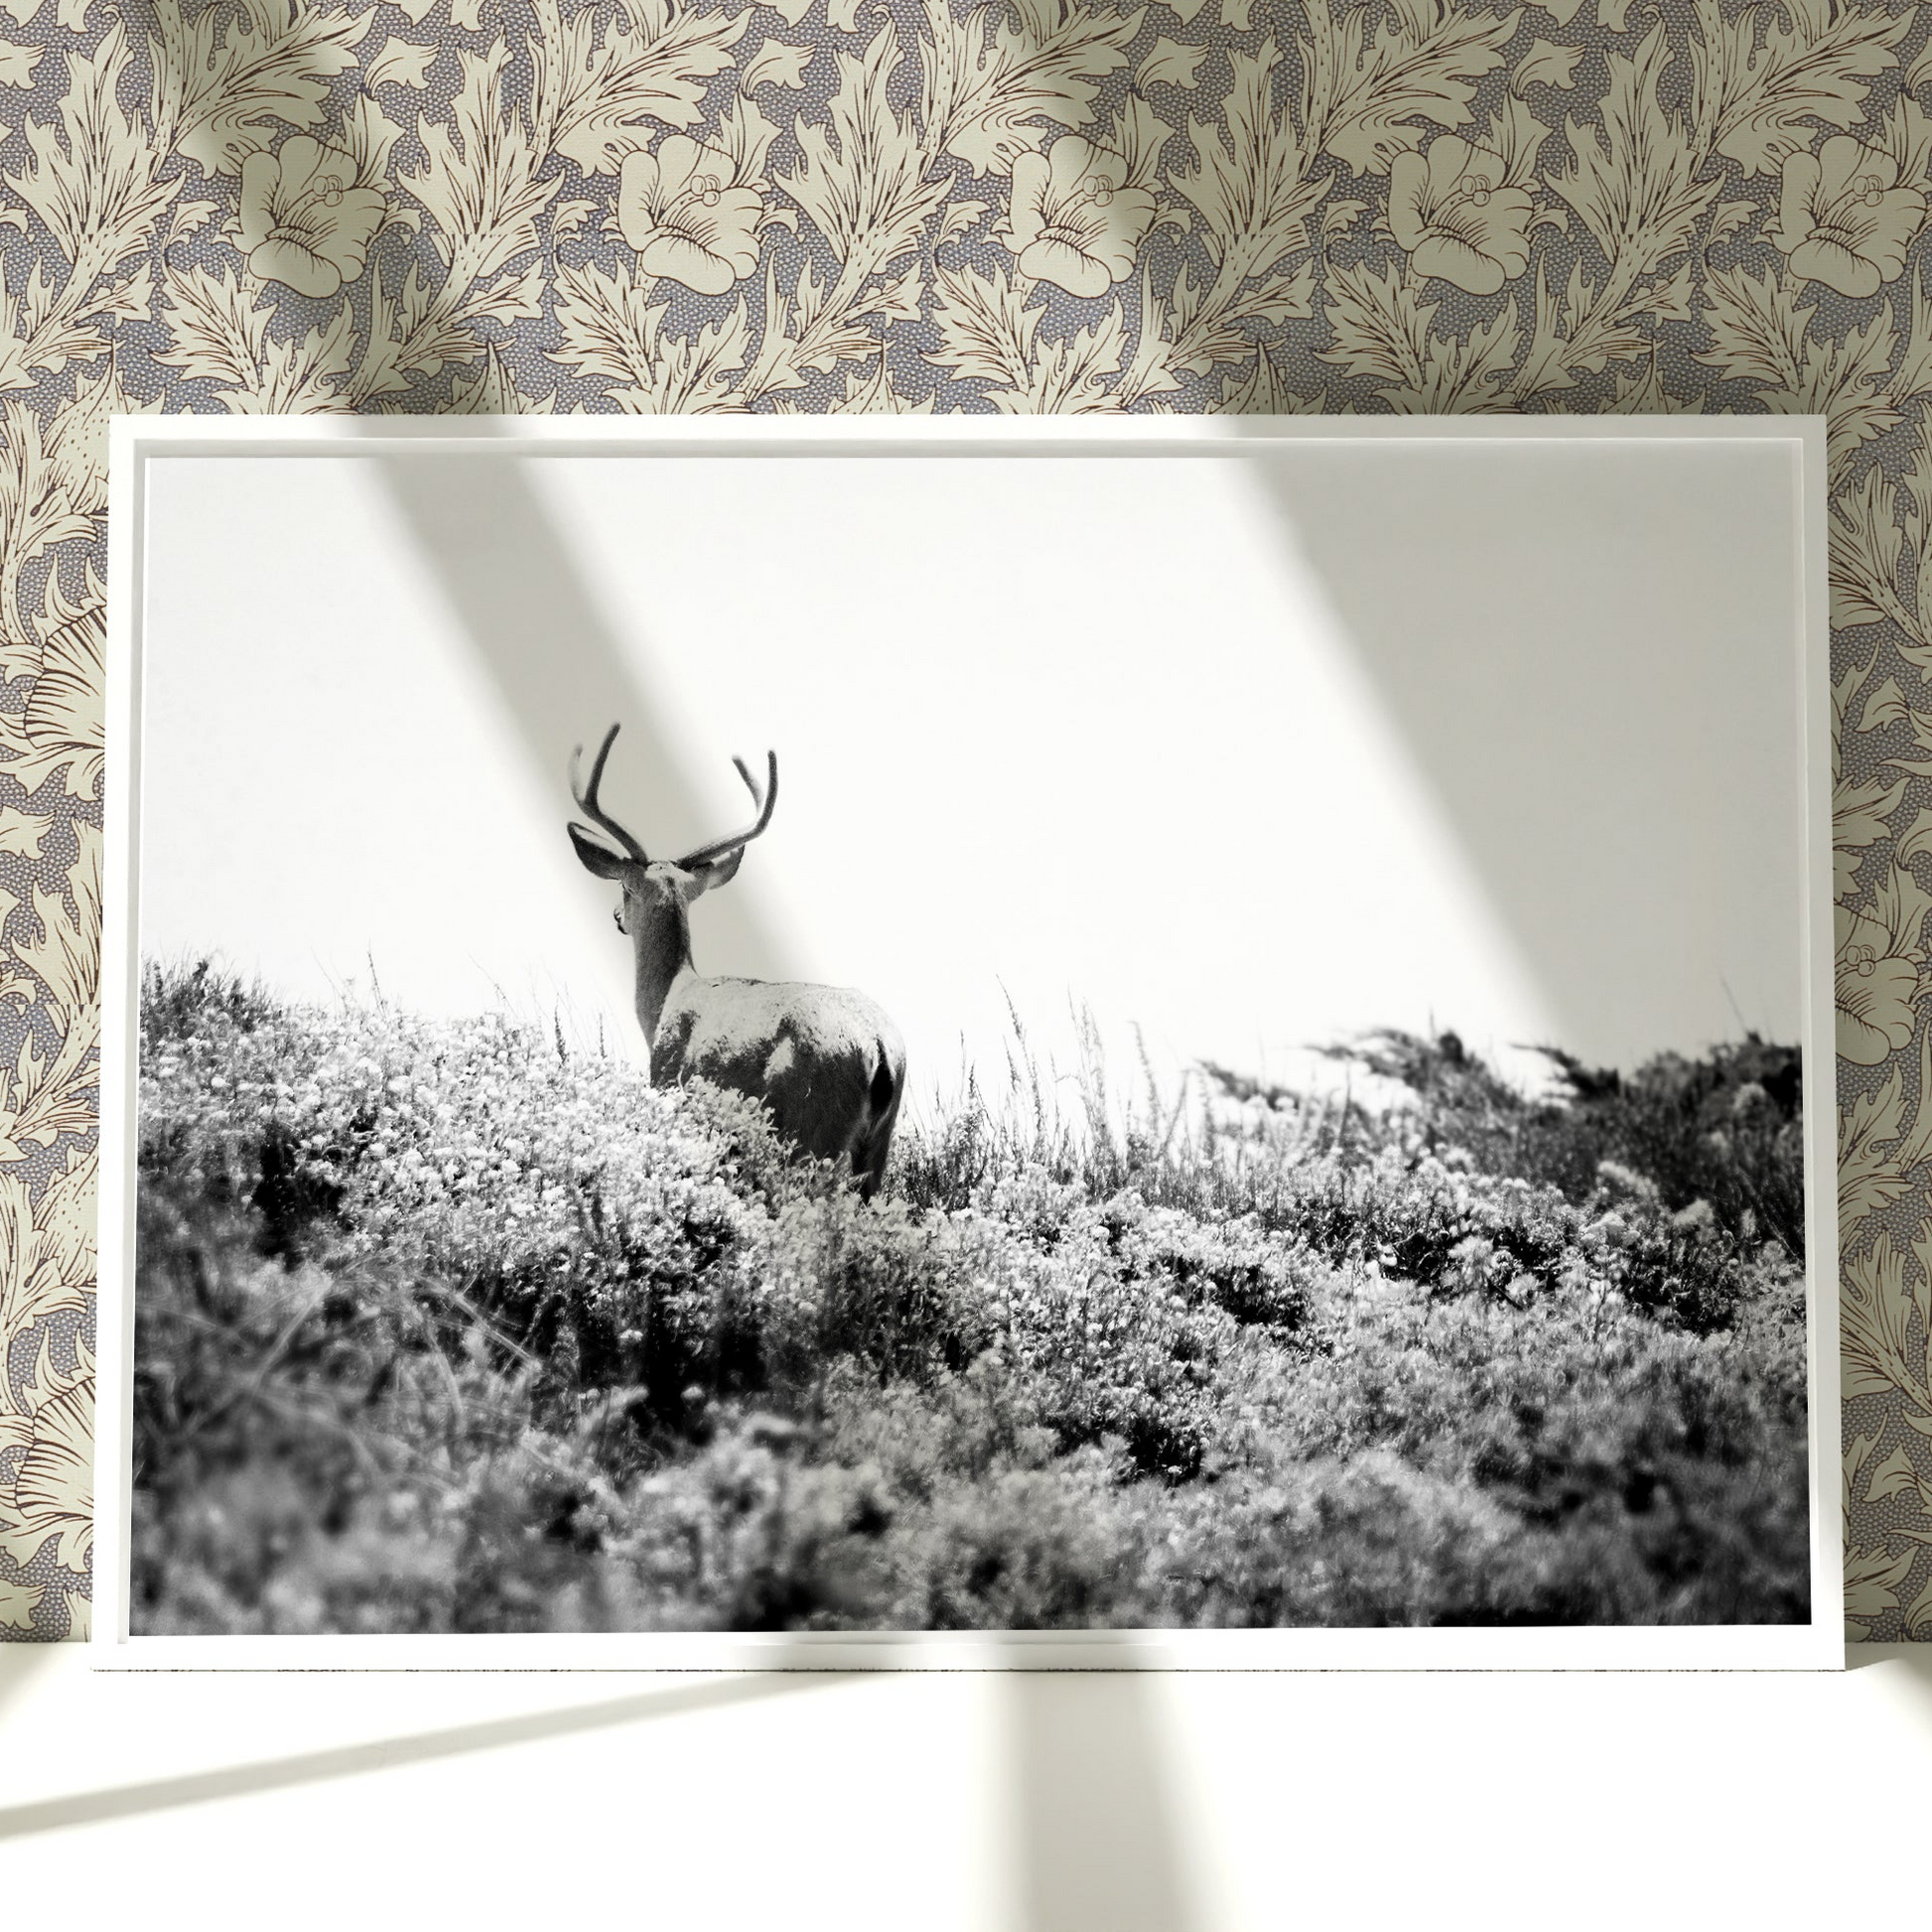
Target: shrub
x,y
440,1327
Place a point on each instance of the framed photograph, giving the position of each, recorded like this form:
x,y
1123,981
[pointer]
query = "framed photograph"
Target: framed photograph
x,y
797,1043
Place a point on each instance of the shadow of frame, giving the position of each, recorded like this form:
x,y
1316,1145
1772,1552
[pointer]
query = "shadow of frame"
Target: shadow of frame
x,y
387,1754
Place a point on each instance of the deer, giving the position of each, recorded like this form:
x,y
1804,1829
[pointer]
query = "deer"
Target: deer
x,y
825,1060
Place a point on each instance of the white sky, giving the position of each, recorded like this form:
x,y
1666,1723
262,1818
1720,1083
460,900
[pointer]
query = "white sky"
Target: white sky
x,y
1250,752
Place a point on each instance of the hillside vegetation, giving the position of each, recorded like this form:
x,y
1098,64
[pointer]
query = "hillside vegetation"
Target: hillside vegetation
x,y
444,1327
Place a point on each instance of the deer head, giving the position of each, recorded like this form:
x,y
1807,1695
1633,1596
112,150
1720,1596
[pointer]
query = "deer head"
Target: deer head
x,y
657,893
642,876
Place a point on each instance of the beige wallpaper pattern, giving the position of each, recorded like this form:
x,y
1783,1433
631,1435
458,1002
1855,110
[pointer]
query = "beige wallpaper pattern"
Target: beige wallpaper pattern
x,y
942,205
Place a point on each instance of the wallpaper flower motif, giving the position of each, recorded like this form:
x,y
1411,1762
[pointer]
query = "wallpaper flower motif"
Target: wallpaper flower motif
x,y
1877,991
1456,215
303,221
1341,205
1074,220
1842,218
677,207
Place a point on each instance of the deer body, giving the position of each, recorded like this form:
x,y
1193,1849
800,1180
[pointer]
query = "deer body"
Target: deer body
x,y
824,1059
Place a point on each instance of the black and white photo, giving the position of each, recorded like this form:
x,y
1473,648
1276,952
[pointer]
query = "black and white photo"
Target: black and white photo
x,y
889,1034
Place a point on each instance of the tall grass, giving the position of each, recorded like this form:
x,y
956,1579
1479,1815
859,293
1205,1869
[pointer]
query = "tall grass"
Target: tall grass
x,y
449,1326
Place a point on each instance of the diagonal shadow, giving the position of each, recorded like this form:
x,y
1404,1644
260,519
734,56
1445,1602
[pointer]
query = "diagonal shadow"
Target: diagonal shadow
x,y
352,1761
1563,884
1091,1805
1094,1827
507,572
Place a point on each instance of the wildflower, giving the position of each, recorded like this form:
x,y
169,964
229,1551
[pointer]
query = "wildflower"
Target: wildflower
x,y
1700,1219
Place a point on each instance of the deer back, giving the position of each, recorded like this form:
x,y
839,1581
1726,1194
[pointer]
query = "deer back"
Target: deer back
x,y
825,1059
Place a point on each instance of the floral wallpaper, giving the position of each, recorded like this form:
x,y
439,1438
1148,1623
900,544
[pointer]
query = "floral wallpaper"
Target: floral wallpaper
x,y
1339,206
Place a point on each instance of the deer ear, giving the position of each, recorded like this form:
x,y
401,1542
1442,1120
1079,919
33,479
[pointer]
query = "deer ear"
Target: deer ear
x,y
717,871
595,856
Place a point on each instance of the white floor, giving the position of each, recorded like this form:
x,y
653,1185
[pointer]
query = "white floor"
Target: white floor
x,y
1032,1803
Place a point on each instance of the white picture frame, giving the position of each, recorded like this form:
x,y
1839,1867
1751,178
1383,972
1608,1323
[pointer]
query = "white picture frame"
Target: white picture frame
x,y
872,445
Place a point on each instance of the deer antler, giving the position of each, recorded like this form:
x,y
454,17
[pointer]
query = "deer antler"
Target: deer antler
x,y
586,797
763,797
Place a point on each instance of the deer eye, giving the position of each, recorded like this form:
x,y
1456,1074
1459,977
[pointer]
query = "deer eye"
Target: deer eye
x,y
616,917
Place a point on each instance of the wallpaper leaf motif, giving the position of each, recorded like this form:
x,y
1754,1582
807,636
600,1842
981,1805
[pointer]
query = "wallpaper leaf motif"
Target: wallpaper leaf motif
x,y
1760,85
1016,205
224,80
